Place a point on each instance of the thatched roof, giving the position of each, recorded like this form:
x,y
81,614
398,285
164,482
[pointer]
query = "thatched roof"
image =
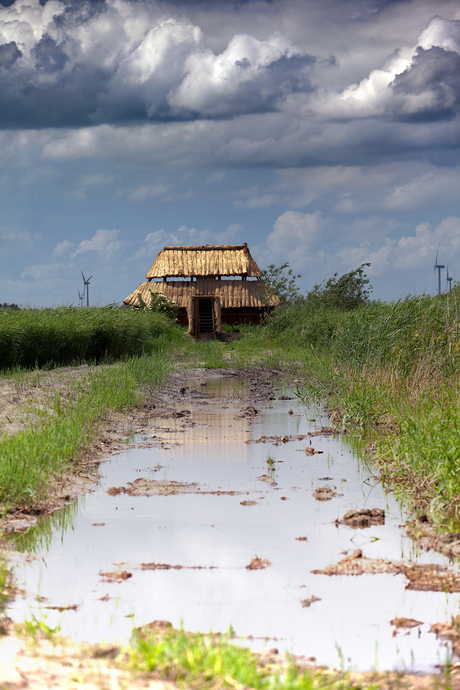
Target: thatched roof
x,y
208,260
232,293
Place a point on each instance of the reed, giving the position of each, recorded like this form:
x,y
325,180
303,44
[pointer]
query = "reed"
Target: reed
x,y
48,338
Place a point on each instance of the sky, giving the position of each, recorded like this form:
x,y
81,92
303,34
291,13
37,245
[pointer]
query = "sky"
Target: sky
x,y
324,133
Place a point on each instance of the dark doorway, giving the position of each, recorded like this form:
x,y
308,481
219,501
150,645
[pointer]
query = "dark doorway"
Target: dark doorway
x,y
205,315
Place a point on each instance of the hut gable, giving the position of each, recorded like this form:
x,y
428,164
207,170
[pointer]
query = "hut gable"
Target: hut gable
x,y
207,260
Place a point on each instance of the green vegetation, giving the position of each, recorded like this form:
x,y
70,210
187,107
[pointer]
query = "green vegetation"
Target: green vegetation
x,y
159,303
47,338
215,660
6,589
385,369
58,436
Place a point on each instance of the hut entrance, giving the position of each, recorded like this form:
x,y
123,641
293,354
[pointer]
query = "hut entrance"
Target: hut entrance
x,y
204,317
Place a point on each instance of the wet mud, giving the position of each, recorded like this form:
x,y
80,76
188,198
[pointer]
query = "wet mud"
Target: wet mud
x,y
153,487
427,577
363,518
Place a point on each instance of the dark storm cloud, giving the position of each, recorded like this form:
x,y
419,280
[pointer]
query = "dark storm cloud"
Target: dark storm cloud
x,y
84,73
9,53
434,80
49,57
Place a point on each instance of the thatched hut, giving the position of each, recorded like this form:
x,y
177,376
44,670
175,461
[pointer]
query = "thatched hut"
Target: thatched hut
x,y
193,278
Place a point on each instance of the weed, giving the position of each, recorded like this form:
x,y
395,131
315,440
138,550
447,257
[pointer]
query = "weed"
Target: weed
x,y
34,628
195,660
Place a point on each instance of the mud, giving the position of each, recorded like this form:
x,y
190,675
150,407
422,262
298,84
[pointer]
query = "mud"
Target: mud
x,y
258,564
447,543
405,623
325,493
152,487
420,577
306,603
277,440
115,576
449,631
362,518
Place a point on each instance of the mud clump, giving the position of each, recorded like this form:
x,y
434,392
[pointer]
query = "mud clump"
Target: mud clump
x,y
306,603
325,493
420,577
309,450
405,623
327,431
115,576
277,440
154,487
258,564
267,479
449,631
248,413
160,566
362,518
447,543
248,503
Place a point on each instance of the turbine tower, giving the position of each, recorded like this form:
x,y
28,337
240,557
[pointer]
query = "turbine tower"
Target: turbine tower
x,y
438,266
86,284
449,280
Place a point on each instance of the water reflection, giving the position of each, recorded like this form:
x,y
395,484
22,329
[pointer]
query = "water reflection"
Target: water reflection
x,y
214,536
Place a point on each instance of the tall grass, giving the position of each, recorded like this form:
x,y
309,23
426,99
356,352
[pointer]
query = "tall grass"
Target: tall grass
x,y
393,368
405,334
42,338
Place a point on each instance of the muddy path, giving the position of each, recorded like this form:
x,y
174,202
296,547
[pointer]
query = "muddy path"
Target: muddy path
x,y
231,504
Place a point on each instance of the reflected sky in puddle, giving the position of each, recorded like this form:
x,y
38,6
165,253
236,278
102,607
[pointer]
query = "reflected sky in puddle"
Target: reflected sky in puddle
x,y
102,533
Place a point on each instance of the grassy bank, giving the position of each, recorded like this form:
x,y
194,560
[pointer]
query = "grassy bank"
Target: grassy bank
x,y
389,371
46,338
65,418
176,659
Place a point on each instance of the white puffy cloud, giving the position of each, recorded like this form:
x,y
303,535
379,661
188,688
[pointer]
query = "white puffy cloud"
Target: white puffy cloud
x,y
63,248
416,79
317,246
104,242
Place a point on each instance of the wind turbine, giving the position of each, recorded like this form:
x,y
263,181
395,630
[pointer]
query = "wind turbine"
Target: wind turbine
x,y
86,284
438,266
449,280
81,297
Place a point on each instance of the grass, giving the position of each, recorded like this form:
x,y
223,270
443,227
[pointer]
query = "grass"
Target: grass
x,y
53,443
200,661
389,372
46,338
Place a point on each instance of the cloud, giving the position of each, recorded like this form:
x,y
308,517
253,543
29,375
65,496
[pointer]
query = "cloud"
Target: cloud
x,y
419,81
63,248
95,179
155,241
317,247
104,242
123,62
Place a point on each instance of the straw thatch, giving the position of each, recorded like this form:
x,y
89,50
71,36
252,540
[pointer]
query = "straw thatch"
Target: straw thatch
x,y
208,260
232,293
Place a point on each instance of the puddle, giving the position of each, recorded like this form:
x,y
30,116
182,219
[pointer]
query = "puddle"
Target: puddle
x,y
211,528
